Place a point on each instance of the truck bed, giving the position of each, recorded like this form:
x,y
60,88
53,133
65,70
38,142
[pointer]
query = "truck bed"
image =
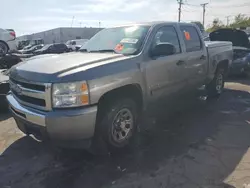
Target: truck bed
x,y
218,51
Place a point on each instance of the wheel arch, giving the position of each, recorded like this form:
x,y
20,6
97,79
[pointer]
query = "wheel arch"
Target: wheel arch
x,y
224,64
133,91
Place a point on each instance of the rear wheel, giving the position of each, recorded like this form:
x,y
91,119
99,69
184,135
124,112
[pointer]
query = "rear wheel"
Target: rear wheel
x,y
216,86
3,49
118,123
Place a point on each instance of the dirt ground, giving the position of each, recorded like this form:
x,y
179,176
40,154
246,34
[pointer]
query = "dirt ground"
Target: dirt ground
x,y
206,146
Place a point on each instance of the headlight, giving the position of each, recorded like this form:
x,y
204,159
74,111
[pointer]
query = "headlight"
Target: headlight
x,y
70,94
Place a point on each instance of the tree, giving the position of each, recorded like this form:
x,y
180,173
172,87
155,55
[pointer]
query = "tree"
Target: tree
x,y
217,24
240,21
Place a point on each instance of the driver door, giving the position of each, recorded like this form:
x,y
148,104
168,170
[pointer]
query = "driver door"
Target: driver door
x,y
166,75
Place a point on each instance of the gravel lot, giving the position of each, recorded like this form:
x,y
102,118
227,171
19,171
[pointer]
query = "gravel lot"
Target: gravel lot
x,y
206,145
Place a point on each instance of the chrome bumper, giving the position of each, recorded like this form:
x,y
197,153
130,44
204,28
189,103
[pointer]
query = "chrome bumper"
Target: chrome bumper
x,y
65,125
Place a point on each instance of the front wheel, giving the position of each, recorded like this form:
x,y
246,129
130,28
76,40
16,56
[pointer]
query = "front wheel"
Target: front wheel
x,y
118,123
216,86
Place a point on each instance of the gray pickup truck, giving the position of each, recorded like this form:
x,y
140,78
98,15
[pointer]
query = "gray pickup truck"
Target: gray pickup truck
x,y
99,93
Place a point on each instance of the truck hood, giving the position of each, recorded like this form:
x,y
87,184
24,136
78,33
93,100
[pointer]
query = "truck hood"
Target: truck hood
x,y
237,37
50,68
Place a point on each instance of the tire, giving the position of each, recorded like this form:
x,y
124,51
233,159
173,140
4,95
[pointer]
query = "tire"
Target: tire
x,y
216,86
112,127
3,49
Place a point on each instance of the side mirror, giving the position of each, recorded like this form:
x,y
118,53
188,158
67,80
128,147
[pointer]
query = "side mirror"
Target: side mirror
x,y
163,49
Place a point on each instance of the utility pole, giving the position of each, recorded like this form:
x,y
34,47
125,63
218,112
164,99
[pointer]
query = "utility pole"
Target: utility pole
x,y
180,5
227,20
72,20
204,11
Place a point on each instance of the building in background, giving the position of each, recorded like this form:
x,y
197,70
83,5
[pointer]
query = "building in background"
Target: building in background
x,y
61,35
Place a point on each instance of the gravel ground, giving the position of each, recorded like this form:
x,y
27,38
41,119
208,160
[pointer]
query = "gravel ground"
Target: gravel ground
x,y
205,145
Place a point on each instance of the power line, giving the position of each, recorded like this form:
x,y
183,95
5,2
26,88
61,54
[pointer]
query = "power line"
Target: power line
x,y
229,6
216,6
191,5
189,9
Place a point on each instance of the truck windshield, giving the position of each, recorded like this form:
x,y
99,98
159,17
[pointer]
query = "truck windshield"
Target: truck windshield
x,y
124,40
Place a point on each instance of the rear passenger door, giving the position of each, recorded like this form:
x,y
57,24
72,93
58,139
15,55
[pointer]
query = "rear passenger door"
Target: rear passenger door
x,y
165,77
52,49
59,48
196,56
62,48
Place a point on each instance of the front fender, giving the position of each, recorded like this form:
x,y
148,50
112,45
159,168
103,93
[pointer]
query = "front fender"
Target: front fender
x,y
101,86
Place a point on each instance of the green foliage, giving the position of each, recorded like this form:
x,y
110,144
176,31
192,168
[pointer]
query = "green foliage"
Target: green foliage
x,y
239,21
217,24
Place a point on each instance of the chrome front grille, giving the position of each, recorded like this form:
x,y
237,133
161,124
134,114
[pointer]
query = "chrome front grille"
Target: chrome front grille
x,y
35,95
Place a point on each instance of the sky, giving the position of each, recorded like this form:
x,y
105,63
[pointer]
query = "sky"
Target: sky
x,y
30,16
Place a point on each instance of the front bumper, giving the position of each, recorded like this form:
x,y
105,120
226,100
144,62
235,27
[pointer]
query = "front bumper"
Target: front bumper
x,y
62,126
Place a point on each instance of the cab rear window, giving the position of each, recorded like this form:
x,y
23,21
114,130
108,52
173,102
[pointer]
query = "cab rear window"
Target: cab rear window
x,y
191,38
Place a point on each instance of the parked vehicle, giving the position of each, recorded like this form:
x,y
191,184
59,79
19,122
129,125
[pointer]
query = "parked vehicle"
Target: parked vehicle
x,y
25,44
9,60
95,97
36,41
56,48
241,48
75,45
31,49
4,89
22,44
7,41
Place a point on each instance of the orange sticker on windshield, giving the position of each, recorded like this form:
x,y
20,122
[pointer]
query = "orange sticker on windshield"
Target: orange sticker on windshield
x,y
119,47
187,35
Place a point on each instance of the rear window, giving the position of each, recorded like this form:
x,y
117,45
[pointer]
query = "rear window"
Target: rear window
x,y
60,45
191,38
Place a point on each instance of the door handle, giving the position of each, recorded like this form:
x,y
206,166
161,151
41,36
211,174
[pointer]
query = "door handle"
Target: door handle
x,y
180,62
203,57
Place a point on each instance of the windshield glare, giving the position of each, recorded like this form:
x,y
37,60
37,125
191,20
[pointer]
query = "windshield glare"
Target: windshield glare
x,y
125,40
46,46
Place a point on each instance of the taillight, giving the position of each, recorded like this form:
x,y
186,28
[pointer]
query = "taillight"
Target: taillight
x,y
13,34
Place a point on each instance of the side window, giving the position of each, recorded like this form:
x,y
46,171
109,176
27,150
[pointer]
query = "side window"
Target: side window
x,y
59,46
191,38
63,46
167,34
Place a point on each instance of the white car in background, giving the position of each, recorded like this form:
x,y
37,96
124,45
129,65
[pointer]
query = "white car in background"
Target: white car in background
x,y
7,41
75,45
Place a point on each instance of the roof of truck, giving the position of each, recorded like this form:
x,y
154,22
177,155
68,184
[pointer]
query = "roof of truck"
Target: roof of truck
x,y
152,23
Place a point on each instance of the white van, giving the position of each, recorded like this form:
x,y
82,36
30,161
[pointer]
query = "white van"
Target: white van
x,y
75,45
